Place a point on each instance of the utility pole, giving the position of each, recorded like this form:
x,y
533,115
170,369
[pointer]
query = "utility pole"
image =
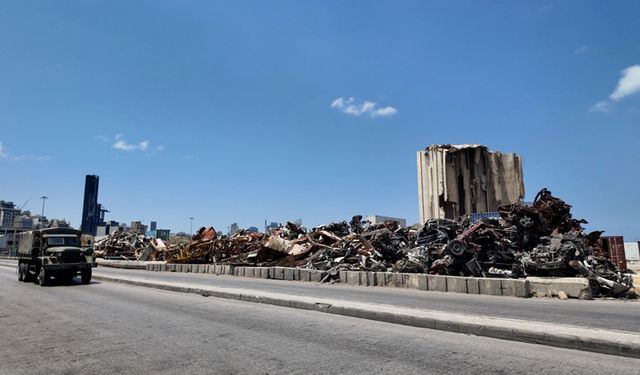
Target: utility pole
x,y
44,198
191,227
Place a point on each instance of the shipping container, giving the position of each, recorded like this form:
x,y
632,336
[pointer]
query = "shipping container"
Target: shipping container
x,y
613,249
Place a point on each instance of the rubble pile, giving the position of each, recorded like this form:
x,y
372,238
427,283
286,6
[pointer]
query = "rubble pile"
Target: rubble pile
x,y
129,245
538,240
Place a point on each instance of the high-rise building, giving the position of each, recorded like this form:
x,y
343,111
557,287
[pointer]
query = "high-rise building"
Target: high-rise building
x,y
90,207
153,226
8,213
233,229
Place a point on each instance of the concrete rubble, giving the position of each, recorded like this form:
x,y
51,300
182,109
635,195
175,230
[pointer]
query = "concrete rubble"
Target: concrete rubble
x,y
538,240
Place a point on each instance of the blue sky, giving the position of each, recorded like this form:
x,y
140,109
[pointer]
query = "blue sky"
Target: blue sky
x,y
241,111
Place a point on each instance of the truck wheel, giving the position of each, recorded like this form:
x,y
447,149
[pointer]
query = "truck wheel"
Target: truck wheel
x,y
86,276
43,277
26,274
20,272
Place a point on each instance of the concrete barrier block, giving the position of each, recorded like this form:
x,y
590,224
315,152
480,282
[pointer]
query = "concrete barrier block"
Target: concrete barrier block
x,y
573,287
396,280
515,288
353,277
278,273
171,267
456,284
296,274
437,283
316,275
490,286
149,267
422,282
412,281
305,275
381,279
288,274
265,273
366,278
202,268
473,286
342,275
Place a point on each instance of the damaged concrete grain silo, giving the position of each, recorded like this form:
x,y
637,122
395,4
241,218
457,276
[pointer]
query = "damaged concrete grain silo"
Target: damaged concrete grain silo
x,y
455,180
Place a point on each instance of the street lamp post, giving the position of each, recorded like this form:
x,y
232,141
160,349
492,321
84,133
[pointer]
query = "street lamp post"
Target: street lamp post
x,y
191,226
44,198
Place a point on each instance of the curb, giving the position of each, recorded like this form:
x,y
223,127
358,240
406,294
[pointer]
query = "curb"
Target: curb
x,y
593,340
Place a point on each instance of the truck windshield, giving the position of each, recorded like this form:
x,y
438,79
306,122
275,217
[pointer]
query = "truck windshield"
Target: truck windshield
x,y
63,241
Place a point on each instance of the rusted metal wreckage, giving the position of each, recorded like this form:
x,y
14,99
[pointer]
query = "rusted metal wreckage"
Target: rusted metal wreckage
x,y
538,240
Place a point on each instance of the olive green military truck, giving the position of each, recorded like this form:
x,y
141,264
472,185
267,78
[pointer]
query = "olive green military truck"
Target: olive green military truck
x,y
53,253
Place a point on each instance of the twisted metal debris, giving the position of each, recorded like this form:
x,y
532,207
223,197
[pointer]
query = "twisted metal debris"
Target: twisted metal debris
x,y
538,240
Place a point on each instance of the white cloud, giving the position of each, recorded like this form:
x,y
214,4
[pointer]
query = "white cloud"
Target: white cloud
x,y
4,154
101,137
365,107
121,144
160,148
581,50
601,106
628,84
382,112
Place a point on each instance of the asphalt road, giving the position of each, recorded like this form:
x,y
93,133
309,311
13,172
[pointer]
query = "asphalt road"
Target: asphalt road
x,y
606,314
114,328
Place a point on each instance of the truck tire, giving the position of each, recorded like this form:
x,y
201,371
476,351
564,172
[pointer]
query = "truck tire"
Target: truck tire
x,y
43,277
86,276
27,275
20,272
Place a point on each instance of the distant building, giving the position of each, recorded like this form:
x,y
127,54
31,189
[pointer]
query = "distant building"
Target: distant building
x,y
253,230
8,213
233,229
378,219
90,207
163,234
138,227
23,221
270,227
153,225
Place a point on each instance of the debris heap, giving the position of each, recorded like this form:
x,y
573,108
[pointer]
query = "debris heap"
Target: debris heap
x,y
538,240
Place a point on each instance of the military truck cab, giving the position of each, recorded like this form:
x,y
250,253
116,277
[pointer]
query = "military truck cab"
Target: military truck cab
x,y
53,253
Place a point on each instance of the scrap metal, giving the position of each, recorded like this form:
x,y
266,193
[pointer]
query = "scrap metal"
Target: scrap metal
x,y
542,239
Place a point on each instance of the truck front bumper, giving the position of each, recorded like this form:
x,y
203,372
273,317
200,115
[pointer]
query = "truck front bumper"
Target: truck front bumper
x,y
68,266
